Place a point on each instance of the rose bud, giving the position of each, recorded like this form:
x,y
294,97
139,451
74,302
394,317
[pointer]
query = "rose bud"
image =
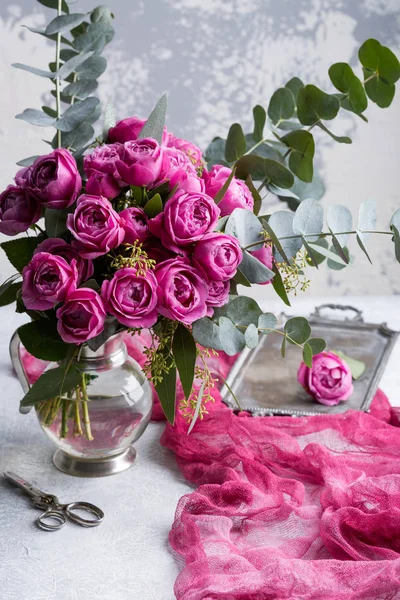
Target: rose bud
x,y
128,130
60,247
131,298
186,182
141,162
218,295
237,195
182,292
134,222
218,255
329,381
101,184
186,218
18,210
81,317
191,150
96,226
46,280
265,256
54,179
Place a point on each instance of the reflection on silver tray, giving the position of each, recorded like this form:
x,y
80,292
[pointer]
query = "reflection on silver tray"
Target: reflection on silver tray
x,y
266,384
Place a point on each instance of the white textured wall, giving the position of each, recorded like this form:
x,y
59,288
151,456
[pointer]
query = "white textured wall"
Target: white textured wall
x,y
218,58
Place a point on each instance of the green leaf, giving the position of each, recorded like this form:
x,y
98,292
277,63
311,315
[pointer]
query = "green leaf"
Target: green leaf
x,y
42,340
297,330
267,323
302,155
92,68
109,118
295,85
53,37
395,227
76,114
54,4
283,347
254,270
206,333
78,137
280,225
379,59
95,38
36,117
198,405
245,226
243,311
319,258
264,149
308,219
64,23
153,206
49,111
379,91
235,144
215,153
343,78
300,191
27,162
336,266
256,196
185,353
357,367
278,286
259,116
67,53
339,219
101,14
20,251
313,104
34,70
341,139
52,384
262,169
366,222
166,390
240,279
251,336
70,65
232,340
222,191
154,126
55,222
307,355
81,89
281,106
317,345
8,292
327,253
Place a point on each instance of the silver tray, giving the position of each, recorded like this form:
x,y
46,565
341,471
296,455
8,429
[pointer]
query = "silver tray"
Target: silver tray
x,y
266,384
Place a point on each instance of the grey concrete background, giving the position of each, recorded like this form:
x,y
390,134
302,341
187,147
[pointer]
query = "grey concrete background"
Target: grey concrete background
x,y
217,59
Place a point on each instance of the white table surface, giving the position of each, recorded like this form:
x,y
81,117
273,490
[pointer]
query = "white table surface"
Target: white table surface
x,y
128,556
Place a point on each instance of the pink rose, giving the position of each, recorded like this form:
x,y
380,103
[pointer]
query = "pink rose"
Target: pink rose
x,y
218,256
265,256
128,130
182,292
134,222
101,184
18,210
237,195
329,381
131,298
46,280
141,162
191,150
218,295
81,317
102,160
96,226
54,179
60,247
185,181
186,218
177,161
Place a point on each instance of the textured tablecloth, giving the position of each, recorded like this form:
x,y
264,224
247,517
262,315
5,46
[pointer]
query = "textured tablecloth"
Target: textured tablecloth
x,y
128,557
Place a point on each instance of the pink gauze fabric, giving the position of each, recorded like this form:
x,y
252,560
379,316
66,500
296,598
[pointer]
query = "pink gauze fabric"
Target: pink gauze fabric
x,y
287,508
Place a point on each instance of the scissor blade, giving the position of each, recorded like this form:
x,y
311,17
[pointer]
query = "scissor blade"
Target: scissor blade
x,y
20,482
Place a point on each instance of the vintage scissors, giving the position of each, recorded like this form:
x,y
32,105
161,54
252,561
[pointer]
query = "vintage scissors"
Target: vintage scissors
x,y
55,514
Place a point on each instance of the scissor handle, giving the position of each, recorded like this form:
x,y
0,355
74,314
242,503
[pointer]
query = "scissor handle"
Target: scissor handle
x,y
44,521
87,507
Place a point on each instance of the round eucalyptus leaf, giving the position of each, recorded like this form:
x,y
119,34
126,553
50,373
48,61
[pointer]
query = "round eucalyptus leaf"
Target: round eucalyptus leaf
x,y
301,158
266,323
313,104
231,339
281,223
251,336
281,106
206,333
339,219
243,311
309,219
297,330
245,226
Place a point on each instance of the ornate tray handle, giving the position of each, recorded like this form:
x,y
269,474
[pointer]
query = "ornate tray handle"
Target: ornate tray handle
x,y
357,316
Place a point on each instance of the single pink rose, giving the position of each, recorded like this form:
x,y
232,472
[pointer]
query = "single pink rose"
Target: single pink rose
x,y
135,224
103,160
60,247
131,298
329,381
176,161
96,226
18,210
54,179
101,184
186,218
182,292
265,256
218,255
218,295
237,195
81,317
46,280
191,150
141,162
128,130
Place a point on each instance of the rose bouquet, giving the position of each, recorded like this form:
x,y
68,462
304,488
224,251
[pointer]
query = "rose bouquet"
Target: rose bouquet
x,y
143,232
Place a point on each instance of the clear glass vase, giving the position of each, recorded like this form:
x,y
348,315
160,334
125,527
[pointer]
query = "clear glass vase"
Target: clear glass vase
x,y
95,426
